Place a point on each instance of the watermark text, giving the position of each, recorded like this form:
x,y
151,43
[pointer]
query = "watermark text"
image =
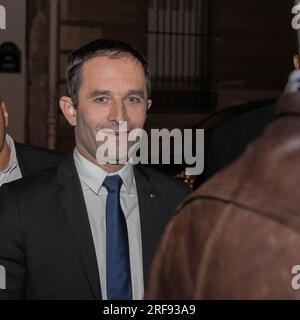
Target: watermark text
x,y
2,18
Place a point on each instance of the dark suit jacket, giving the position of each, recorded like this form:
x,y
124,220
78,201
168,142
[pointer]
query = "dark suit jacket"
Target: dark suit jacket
x,y
46,243
32,159
231,139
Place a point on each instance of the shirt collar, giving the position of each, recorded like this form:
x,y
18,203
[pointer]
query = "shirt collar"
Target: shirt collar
x,y
93,176
13,157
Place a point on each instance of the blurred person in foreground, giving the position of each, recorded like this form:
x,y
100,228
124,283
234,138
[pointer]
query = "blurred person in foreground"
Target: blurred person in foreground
x,y
238,235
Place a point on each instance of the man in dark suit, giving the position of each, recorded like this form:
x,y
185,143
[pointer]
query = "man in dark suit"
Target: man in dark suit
x,y
57,236
19,160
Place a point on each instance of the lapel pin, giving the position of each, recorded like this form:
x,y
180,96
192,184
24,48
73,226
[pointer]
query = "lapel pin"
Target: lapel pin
x,y
152,195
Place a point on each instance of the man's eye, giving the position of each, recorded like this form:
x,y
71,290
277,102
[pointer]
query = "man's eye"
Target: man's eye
x,y
101,99
133,99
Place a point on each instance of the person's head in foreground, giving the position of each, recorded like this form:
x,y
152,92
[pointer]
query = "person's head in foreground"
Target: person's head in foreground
x,y
238,237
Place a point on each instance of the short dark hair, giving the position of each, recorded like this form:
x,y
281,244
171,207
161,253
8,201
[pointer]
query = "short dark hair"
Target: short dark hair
x,y
99,47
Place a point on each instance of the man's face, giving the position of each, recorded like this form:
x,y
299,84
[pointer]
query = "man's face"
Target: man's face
x,y
112,91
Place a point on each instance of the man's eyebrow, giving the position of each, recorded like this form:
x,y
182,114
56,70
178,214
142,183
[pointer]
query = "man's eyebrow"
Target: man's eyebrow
x,y
97,93
140,93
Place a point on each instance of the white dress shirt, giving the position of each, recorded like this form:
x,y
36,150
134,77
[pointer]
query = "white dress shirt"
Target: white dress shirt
x,y
92,177
12,171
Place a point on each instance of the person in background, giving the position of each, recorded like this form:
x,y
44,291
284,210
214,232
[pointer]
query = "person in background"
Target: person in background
x,y
19,160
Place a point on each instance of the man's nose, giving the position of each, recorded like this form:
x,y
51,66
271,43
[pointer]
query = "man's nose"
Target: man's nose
x,y
118,112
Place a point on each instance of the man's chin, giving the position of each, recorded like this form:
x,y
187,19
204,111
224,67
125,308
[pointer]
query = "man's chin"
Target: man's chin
x,y
117,152
112,159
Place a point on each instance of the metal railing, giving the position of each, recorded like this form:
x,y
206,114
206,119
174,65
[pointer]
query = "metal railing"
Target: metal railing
x,y
179,45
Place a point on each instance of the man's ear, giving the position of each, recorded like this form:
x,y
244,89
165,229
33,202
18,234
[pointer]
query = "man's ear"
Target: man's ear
x,y
149,104
296,61
5,113
68,110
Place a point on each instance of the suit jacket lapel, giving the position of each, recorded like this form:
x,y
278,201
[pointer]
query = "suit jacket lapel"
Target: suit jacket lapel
x,y
72,201
150,219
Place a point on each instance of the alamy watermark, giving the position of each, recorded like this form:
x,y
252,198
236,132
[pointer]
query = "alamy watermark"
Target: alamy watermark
x,y
296,18
159,146
2,278
2,18
296,279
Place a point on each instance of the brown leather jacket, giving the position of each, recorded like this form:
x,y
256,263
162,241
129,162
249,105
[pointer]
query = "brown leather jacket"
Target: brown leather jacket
x,y
238,236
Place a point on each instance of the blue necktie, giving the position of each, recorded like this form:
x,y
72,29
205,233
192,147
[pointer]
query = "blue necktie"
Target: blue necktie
x,y
118,277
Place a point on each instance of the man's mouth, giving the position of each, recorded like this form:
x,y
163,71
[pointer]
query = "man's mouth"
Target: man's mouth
x,y
116,133
119,133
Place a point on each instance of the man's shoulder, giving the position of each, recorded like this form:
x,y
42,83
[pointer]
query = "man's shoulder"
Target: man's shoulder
x,y
38,151
163,181
33,184
32,159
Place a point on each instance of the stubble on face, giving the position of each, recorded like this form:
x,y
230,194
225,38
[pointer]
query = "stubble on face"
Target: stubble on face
x,y
117,77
